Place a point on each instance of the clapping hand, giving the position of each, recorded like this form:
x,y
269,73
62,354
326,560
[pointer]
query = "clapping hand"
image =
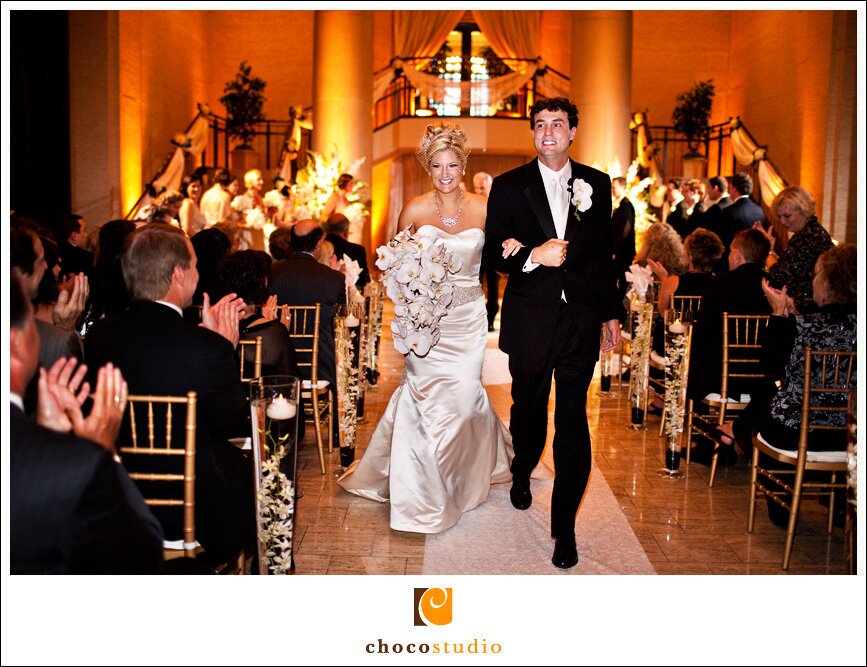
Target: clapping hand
x,y
223,316
71,301
781,303
769,232
658,269
62,393
269,310
511,247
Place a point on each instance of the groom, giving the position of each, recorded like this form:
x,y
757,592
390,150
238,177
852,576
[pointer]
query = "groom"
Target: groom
x,y
561,289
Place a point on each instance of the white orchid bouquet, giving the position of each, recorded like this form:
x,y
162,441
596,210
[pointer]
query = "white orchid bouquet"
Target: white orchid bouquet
x,y
417,271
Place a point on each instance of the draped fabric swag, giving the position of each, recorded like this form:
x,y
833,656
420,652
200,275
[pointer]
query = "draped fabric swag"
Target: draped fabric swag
x,y
746,153
512,35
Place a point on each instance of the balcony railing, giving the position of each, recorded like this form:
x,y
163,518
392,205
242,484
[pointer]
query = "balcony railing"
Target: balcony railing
x,y
403,100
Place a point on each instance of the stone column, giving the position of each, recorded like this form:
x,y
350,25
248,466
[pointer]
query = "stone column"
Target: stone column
x,y
343,88
601,86
103,186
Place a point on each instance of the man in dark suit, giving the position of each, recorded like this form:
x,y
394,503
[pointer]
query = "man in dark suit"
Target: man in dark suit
x,y
72,508
561,289
337,233
736,291
162,354
717,201
302,281
71,235
623,232
742,212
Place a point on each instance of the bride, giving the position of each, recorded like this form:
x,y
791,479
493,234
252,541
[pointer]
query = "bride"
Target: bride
x,y
439,445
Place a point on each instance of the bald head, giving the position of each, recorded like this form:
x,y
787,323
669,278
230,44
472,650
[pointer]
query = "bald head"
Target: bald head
x,y
482,183
306,236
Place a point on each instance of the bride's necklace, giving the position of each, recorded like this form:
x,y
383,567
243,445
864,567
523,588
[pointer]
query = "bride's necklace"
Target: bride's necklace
x,y
449,222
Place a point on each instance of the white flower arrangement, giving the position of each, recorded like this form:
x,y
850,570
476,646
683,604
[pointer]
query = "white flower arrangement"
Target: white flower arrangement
x,y
347,385
242,203
582,196
318,181
255,218
676,339
641,277
642,314
276,508
416,279
273,199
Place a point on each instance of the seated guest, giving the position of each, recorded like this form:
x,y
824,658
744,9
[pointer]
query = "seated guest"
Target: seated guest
x,y
738,291
160,353
280,243
27,255
832,327
71,236
301,280
108,294
72,507
662,245
337,233
702,250
795,208
212,246
247,274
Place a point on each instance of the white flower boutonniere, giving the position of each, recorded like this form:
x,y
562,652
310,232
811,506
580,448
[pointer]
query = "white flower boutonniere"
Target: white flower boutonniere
x,y
582,198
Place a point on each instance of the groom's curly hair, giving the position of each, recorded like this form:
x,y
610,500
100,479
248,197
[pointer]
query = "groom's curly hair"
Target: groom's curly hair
x,y
555,104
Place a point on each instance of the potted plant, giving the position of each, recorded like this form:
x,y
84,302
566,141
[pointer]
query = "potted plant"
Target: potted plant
x,y
692,115
243,98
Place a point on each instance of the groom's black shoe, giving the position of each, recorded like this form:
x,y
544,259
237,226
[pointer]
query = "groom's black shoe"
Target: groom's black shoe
x,y
520,495
565,554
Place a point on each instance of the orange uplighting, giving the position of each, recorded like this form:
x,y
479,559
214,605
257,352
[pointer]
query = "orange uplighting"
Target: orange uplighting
x,y
379,188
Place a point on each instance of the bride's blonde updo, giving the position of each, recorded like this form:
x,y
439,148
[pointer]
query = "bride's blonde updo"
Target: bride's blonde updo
x,y
440,137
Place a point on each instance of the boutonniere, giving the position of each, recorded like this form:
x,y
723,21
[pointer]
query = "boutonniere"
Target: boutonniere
x,y
581,198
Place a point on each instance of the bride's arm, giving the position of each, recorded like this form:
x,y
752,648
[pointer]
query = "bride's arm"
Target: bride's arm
x,y
407,215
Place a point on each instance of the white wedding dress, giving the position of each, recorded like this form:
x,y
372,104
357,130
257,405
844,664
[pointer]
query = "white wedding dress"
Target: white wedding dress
x,y
439,445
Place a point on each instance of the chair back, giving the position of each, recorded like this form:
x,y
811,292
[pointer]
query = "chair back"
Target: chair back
x,y
252,348
829,378
304,331
685,306
741,347
179,489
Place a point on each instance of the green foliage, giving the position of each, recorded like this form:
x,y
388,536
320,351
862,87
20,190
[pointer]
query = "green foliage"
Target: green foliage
x,y
691,116
243,99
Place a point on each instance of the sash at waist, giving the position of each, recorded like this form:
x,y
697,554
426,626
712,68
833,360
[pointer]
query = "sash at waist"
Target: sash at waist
x,y
462,295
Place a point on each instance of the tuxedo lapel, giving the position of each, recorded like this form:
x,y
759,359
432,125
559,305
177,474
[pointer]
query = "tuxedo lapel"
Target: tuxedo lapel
x,y
538,198
571,222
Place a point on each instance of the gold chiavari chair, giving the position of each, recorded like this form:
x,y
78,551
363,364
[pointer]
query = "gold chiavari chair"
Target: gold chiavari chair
x,y
179,489
243,347
741,345
829,377
315,392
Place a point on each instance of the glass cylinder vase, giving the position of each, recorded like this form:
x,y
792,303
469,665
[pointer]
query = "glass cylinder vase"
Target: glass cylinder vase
x,y
641,313
274,409
677,329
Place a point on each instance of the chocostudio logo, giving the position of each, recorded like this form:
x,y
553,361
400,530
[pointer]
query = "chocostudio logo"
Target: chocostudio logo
x,y
433,606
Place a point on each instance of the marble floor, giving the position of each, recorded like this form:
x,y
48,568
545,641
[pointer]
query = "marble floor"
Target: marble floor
x,y
683,526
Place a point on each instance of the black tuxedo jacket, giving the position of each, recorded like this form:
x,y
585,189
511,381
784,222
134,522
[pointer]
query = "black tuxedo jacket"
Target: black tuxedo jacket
x,y
623,235
712,218
75,260
302,281
737,292
740,215
73,509
160,353
518,208
353,251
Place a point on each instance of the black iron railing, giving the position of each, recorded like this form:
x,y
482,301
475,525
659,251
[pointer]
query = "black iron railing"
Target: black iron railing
x,y
402,100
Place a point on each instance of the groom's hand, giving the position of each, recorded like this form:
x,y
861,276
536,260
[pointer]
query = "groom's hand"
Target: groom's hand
x,y
550,253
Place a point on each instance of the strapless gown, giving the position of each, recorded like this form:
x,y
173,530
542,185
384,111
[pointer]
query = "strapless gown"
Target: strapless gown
x,y
439,445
